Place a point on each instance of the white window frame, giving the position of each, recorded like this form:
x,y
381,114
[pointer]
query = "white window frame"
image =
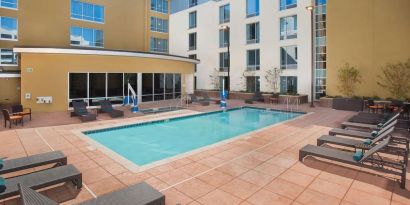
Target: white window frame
x,y
153,27
162,11
156,49
82,34
288,31
256,66
17,29
5,7
82,13
14,54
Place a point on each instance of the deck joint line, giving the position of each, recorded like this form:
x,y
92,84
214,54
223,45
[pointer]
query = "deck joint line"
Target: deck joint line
x,y
52,149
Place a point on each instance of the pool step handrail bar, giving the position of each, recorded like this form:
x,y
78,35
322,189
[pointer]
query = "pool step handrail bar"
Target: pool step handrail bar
x,y
127,101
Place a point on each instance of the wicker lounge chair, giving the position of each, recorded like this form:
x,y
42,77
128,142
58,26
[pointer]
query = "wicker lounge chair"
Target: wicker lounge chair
x,y
366,161
18,164
11,118
139,194
370,118
42,179
80,109
369,126
106,107
257,97
19,110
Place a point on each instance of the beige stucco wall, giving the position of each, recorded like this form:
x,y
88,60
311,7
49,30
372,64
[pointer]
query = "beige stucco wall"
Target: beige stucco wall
x,y
9,91
366,34
49,76
47,23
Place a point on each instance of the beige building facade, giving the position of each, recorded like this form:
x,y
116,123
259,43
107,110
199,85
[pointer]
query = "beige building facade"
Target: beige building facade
x,y
101,45
367,34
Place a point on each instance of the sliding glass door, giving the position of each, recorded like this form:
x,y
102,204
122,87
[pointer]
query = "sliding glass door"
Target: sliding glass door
x,y
94,87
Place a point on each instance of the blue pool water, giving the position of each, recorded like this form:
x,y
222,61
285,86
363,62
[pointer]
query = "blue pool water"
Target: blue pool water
x,y
150,142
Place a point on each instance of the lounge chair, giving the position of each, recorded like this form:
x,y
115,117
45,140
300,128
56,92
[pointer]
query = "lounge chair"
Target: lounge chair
x,y
369,126
12,165
367,143
257,97
11,118
80,109
370,118
19,110
139,194
362,134
365,159
42,179
106,107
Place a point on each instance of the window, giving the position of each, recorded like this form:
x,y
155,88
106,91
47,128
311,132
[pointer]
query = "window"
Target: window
x,y
8,4
86,37
147,87
252,33
289,84
253,59
252,84
289,57
223,38
320,48
8,28
78,86
192,41
159,45
87,11
159,25
159,86
287,4
288,27
223,61
96,88
224,13
159,6
252,8
193,3
7,57
115,87
192,19
193,56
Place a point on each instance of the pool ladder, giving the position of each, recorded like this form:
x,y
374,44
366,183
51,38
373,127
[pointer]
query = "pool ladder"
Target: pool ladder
x,y
288,105
179,102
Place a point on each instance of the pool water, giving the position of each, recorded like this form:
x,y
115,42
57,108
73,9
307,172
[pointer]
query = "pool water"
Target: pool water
x,y
151,142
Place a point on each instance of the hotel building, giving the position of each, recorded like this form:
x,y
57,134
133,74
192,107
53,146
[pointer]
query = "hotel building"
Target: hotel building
x,y
55,52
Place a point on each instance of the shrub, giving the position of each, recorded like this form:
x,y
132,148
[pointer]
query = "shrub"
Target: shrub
x,y
348,77
396,79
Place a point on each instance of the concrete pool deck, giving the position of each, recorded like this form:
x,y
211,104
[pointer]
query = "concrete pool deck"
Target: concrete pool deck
x,y
260,168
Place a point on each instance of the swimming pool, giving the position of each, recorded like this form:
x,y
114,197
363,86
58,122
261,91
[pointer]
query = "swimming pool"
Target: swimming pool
x,y
146,143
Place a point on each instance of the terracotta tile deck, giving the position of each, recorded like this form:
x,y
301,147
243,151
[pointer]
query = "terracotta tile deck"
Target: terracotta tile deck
x,y
259,168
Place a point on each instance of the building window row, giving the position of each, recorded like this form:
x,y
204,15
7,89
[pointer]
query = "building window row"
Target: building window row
x,y
87,37
7,57
159,25
87,11
253,60
192,19
8,4
224,13
289,57
8,28
193,3
252,8
287,4
159,6
252,33
159,45
192,41
288,27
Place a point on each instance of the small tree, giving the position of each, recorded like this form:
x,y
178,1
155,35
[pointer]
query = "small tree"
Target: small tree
x,y
272,77
396,79
215,79
348,77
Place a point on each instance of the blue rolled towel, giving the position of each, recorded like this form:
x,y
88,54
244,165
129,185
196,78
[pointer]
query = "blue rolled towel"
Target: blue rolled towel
x,y
1,163
367,141
380,125
2,184
358,155
374,133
